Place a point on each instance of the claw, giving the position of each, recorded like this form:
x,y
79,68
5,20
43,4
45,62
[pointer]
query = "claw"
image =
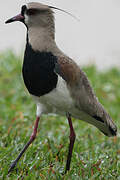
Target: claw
x,y
12,166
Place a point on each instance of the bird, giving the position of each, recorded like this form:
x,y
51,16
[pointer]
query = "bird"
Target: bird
x,y
55,81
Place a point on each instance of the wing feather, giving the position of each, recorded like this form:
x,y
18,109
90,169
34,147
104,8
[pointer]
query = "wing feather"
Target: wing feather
x,y
83,95
67,69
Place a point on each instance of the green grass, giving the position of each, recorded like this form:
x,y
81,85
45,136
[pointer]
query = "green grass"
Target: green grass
x,y
94,157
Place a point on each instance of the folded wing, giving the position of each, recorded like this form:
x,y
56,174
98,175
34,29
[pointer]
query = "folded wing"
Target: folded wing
x,y
84,97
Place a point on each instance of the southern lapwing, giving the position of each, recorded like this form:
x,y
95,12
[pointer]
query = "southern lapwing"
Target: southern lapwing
x,y
55,81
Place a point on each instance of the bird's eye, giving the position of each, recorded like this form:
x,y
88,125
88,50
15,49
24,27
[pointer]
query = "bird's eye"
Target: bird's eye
x,y
31,12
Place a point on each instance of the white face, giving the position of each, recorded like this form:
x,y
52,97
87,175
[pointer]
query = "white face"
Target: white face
x,y
26,19
30,14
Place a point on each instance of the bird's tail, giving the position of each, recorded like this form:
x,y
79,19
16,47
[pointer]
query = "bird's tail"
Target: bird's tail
x,y
102,121
105,124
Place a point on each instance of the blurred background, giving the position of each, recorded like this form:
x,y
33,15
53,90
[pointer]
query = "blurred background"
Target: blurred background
x,y
95,39
94,43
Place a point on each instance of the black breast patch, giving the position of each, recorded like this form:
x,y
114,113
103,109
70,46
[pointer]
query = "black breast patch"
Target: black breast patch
x,y
38,71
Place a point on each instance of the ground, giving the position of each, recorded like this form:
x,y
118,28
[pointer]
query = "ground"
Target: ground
x,y
95,156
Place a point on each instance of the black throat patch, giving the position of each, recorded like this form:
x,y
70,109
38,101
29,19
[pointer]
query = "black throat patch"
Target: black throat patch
x,y
38,71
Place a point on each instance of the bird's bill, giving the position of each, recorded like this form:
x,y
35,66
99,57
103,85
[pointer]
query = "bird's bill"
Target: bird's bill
x,y
19,17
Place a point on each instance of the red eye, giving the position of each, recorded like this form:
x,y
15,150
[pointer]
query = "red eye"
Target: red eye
x,y
31,12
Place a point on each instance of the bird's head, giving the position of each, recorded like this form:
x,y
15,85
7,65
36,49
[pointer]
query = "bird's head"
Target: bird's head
x,y
34,14
39,20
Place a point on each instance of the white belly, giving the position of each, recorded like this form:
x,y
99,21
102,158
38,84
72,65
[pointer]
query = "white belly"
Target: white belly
x,y
57,101
60,102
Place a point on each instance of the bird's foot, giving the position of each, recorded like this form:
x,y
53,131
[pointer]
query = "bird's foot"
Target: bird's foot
x,y
13,164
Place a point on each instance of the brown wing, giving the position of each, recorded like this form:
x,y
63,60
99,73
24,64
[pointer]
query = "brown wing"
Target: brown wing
x,y
84,97
67,69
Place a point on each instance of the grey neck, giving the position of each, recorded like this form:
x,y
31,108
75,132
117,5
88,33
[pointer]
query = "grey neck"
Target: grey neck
x,y
43,40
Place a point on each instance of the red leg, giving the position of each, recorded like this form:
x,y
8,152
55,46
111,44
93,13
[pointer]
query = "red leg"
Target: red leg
x,y
32,138
72,140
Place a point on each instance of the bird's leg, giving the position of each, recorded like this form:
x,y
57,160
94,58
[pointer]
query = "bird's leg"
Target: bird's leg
x,y
32,138
72,140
